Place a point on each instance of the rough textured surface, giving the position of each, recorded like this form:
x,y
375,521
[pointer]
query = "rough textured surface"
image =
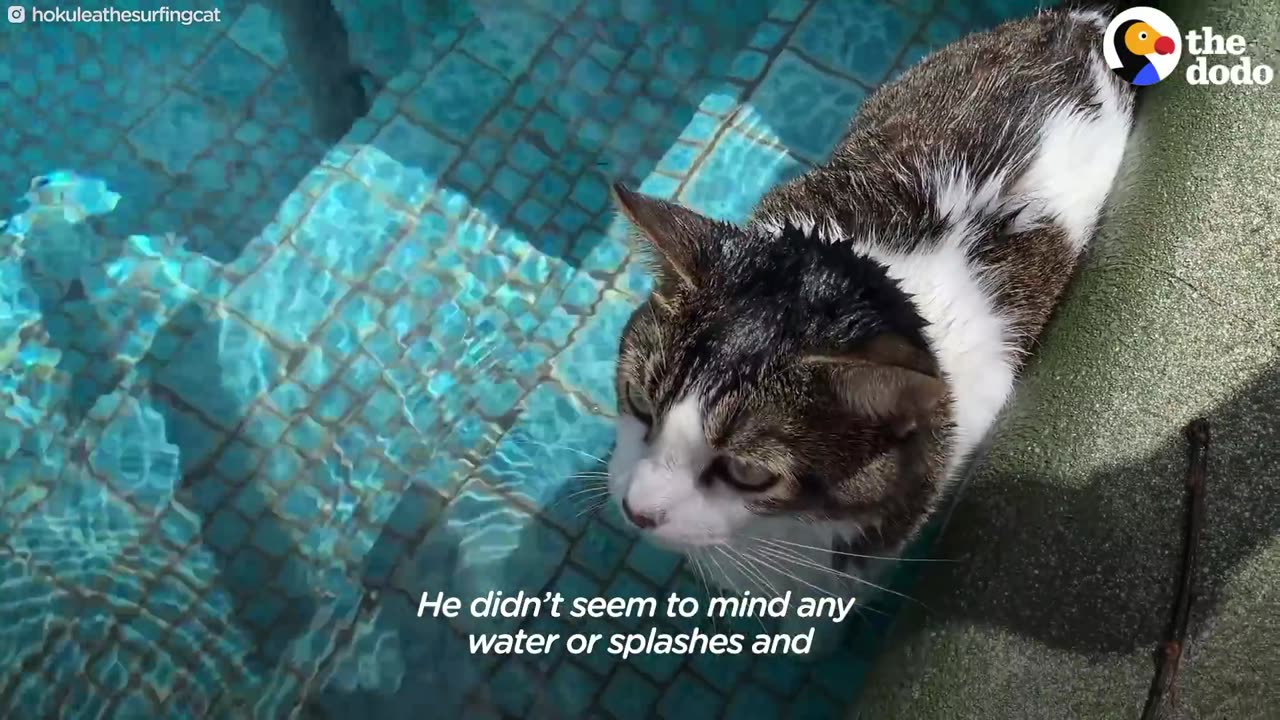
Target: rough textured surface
x,y
1068,540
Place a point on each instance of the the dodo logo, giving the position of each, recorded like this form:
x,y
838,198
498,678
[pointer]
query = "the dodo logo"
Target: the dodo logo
x,y
1142,45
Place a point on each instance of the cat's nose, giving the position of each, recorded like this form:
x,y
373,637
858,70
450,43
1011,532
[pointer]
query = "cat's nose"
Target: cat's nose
x,y
644,521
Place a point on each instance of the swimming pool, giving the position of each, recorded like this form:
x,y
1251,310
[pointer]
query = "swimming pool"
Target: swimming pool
x,y
312,308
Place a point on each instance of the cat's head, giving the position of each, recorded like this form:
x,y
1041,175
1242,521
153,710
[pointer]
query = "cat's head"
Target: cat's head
x,y
767,377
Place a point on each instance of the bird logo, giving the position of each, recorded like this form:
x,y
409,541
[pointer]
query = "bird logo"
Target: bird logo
x,y
1142,45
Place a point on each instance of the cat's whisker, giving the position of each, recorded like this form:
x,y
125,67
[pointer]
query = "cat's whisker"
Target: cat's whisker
x,y
745,574
752,572
554,447
774,567
593,509
723,575
886,558
702,575
778,569
796,559
588,486
588,491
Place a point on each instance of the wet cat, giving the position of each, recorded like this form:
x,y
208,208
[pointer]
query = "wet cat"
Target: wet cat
x,y
798,392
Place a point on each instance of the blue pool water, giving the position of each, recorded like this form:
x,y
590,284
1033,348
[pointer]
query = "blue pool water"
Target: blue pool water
x,y
316,309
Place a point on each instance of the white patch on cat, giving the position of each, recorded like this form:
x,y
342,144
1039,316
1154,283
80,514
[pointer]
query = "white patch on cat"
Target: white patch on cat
x,y
733,548
661,480
971,340
957,199
1091,17
1078,160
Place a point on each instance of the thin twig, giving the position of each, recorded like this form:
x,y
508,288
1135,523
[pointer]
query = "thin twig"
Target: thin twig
x,y
1169,656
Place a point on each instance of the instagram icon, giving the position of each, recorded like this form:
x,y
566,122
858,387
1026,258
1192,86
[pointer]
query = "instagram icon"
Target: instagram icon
x,y
17,14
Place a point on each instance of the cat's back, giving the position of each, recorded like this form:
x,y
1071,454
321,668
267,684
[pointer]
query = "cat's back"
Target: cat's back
x,y
1026,113
980,91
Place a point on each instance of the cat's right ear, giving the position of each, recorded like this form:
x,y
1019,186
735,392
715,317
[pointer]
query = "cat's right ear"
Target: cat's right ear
x,y
680,240
889,380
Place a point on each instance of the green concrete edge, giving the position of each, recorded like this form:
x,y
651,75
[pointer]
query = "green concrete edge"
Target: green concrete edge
x,y
1067,540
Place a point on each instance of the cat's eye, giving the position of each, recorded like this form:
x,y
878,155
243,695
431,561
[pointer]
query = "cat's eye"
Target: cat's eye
x,y
747,476
638,404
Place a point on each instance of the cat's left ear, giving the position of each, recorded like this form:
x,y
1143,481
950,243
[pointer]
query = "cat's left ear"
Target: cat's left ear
x,y
681,240
888,380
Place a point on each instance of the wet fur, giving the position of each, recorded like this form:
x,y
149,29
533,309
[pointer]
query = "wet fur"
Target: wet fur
x,y
859,335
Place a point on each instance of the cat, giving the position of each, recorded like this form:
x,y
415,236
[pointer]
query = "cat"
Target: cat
x,y
798,392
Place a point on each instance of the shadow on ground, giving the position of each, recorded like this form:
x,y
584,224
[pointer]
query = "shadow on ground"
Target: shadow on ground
x,y
1071,567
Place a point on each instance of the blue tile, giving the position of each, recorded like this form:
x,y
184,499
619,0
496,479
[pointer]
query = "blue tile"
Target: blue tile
x,y
814,126
749,702
178,130
737,172
627,585
349,230
508,39
788,10
229,75
701,129
810,704
768,36
688,697
582,292
255,31
505,549
779,673
570,691
307,436
513,686
573,584
858,37
606,257
557,327
988,13
456,96
589,75
281,466
748,65
288,296
263,426
551,443
289,398
595,346
629,696
227,531
302,504
653,563
405,160
316,368
600,550
940,31
679,159
499,398
722,671
238,461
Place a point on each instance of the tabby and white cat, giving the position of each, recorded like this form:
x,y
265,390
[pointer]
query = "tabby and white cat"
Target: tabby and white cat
x,y
799,391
